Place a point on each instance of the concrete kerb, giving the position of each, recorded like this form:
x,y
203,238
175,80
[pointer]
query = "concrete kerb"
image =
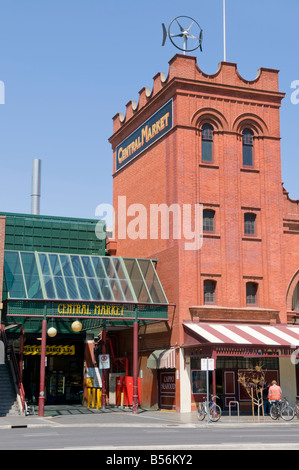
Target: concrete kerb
x,y
121,418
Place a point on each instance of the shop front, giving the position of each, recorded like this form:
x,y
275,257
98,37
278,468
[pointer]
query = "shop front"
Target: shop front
x,y
163,361
236,349
64,371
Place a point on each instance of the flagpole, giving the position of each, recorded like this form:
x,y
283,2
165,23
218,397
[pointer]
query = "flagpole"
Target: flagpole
x,y
224,33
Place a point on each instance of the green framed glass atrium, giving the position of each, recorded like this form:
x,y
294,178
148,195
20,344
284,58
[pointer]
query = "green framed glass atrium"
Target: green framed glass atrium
x,y
61,282
56,276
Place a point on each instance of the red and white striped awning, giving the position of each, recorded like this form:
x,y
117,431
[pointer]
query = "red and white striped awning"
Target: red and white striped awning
x,y
235,334
162,359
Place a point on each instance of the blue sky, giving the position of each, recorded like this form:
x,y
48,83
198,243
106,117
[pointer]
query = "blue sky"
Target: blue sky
x,y
69,66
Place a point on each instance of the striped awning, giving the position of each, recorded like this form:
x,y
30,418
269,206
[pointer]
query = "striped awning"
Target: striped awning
x,y
241,334
162,359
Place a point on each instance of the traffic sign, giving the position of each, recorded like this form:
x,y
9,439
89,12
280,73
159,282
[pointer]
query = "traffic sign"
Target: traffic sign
x,y
207,364
104,361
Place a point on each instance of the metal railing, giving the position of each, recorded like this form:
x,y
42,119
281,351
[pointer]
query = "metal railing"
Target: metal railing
x,y
9,351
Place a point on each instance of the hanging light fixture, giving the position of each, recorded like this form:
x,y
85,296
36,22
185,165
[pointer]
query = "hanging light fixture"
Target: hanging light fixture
x,y
52,332
76,326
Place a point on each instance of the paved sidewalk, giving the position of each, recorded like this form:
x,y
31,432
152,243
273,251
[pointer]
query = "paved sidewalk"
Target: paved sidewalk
x,y
81,416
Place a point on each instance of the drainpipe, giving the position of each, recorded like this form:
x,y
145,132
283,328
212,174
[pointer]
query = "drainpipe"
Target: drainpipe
x,y
214,356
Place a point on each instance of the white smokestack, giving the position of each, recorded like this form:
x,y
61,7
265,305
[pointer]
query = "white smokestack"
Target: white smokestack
x,y
35,186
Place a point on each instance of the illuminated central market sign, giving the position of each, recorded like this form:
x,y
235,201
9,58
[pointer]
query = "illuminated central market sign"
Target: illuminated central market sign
x,y
107,310
147,134
91,310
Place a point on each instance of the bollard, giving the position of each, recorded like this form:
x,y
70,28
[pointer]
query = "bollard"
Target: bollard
x,y
88,397
99,398
93,397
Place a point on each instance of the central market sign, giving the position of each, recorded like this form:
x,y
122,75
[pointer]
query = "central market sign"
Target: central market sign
x,y
86,310
147,134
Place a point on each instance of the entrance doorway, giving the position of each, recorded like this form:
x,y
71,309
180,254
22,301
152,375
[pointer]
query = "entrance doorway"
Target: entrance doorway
x,y
64,372
167,389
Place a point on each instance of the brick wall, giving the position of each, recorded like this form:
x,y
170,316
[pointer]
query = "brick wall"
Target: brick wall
x,y
290,248
171,171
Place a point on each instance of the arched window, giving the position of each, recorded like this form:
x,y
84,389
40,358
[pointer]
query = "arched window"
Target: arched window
x,y
207,143
208,220
209,291
295,298
249,224
251,293
247,147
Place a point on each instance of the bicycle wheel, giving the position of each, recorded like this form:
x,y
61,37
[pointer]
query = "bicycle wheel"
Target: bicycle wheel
x,y
287,413
215,413
274,412
201,413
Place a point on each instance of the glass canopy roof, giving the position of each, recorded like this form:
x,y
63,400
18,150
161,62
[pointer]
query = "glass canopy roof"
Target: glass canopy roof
x,y
55,276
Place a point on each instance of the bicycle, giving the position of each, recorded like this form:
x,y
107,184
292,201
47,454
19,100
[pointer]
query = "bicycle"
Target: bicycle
x,y
212,409
28,409
283,409
296,410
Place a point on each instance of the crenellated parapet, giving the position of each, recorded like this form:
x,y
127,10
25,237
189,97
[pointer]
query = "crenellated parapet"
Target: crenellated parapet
x,y
145,95
185,68
290,208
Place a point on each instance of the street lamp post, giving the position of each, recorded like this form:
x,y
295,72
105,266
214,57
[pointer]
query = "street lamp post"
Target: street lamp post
x,y
135,364
104,376
41,400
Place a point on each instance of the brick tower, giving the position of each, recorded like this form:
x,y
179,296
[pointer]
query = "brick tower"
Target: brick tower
x,y
218,146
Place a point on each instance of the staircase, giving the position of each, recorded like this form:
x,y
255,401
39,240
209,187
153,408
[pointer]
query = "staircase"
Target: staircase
x,y
8,394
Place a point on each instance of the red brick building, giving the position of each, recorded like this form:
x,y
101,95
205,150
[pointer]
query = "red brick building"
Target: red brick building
x,y
212,140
